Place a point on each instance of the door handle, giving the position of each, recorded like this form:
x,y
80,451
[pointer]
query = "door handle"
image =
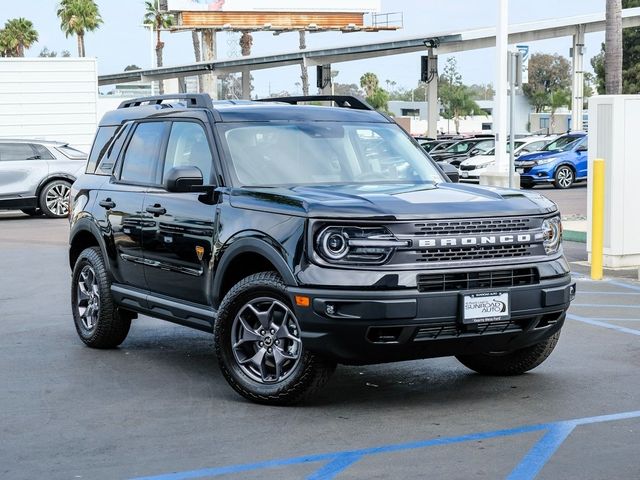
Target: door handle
x,y
157,209
107,203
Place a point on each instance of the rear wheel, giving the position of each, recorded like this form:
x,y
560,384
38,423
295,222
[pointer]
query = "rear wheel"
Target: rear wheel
x,y
511,363
259,347
564,177
98,321
54,199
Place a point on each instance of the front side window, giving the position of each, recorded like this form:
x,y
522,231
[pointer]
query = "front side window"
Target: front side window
x,y
11,152
188,146
141,156
321,153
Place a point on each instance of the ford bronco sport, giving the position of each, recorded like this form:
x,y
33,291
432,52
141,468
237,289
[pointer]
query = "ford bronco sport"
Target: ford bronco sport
x,y
305,236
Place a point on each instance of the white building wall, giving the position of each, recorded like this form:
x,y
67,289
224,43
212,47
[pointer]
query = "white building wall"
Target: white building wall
x,y
49,99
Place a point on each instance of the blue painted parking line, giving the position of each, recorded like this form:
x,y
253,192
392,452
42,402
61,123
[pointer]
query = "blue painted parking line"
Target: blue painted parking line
x,y
600,323
555,434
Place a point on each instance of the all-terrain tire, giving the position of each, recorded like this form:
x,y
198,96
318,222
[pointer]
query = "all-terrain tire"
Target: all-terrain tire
x,y
511,363
108,327
310,373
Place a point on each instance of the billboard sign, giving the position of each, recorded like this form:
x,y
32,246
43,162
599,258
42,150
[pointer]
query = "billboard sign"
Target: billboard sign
x,y
257,6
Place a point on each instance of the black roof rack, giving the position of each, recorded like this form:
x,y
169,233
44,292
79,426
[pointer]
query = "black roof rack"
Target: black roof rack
x,y
193,100
344,101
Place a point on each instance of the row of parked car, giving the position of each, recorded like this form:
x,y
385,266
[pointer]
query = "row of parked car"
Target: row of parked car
x,y
558,160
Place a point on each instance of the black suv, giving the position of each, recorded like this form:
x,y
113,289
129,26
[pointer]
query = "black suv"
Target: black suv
x,y
304,236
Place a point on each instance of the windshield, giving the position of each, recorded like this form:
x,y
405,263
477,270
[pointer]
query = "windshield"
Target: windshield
x,y
562,144
317,153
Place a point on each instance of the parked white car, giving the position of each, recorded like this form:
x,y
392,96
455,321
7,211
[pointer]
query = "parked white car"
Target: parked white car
x,y
472,168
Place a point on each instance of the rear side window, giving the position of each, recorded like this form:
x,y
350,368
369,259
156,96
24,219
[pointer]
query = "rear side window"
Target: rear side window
x,y
72,153
100,146
11,152
143,151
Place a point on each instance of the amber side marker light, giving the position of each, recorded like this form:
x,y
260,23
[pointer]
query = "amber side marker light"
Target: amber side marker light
x,y
302,301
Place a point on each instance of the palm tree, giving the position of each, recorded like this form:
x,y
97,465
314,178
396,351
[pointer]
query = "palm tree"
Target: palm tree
x,y
246,42
78,17
20,35
370,83
558,99
159,20
7,45
613,48
303,67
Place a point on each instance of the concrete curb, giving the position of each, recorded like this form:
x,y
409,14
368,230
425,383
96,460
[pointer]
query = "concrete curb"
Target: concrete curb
x,y
574,236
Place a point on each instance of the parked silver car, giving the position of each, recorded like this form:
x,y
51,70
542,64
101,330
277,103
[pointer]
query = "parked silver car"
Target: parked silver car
x,y
36,176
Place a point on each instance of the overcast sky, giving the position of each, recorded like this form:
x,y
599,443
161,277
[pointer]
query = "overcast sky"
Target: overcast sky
x,y
122,41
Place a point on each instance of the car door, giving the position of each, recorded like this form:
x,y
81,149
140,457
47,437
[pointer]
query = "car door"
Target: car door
x,y
179,247
582,158
120,201
21,170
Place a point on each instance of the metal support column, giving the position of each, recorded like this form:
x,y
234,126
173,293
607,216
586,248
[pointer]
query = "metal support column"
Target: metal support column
x,y
432,96
578,79
500,108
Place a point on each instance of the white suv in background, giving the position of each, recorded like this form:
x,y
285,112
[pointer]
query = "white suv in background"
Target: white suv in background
x,y
36,176
473,167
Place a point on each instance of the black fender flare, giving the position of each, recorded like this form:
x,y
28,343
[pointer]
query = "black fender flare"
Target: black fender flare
x,y
251,244
87,224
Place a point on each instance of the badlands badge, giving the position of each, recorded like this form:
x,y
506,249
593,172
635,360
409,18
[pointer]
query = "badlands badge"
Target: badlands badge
x,y
200,252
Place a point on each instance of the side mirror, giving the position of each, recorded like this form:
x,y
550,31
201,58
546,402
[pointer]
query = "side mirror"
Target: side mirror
x,y
184,179
582,149
450,171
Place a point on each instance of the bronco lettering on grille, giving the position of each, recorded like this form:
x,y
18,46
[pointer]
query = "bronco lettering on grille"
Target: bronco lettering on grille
x,y
475,240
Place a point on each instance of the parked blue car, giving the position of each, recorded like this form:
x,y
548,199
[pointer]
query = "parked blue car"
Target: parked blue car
x,y
562,162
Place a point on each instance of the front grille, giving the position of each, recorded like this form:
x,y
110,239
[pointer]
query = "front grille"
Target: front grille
x,y
473,253
445,282
467,167
461,227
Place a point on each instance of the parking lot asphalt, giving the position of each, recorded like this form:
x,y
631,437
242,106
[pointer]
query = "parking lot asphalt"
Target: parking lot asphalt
x,y
159,408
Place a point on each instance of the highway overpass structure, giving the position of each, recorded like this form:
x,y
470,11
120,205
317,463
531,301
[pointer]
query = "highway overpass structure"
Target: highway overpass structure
x,y
436,43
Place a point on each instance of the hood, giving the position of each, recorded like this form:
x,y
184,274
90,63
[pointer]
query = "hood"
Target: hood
x,y
479,160
392,202
538,155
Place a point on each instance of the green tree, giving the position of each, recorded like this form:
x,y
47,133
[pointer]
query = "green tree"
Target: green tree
x,y
159,20
19,35
547,74
557,100
46,53
456,98
78,17
630,59
482,91
377,96
7,47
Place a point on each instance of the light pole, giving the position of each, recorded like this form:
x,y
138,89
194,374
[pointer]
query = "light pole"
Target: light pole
x,y
500,107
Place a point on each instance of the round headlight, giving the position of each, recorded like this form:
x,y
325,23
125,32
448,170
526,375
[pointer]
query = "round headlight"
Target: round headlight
x,y
552,234
334,244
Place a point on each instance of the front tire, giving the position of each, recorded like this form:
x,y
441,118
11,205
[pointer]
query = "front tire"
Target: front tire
x,y
511,363
98,321
54,199
564,177
258,344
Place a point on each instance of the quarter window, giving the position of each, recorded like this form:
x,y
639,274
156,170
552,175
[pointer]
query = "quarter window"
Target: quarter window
x,y
142,153
188,146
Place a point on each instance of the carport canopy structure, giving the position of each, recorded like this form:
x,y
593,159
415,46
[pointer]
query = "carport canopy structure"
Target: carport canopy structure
x,y
440,43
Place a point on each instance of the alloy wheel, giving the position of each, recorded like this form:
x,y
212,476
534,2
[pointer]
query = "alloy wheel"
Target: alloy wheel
x,y
88,298
265,338
57,199
565,177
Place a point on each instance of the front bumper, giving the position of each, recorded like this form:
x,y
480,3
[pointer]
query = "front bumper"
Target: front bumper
x,y
366,327
535,175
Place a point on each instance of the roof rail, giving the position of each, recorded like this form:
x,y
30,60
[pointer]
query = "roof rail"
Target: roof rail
x,y
343,101
197,100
